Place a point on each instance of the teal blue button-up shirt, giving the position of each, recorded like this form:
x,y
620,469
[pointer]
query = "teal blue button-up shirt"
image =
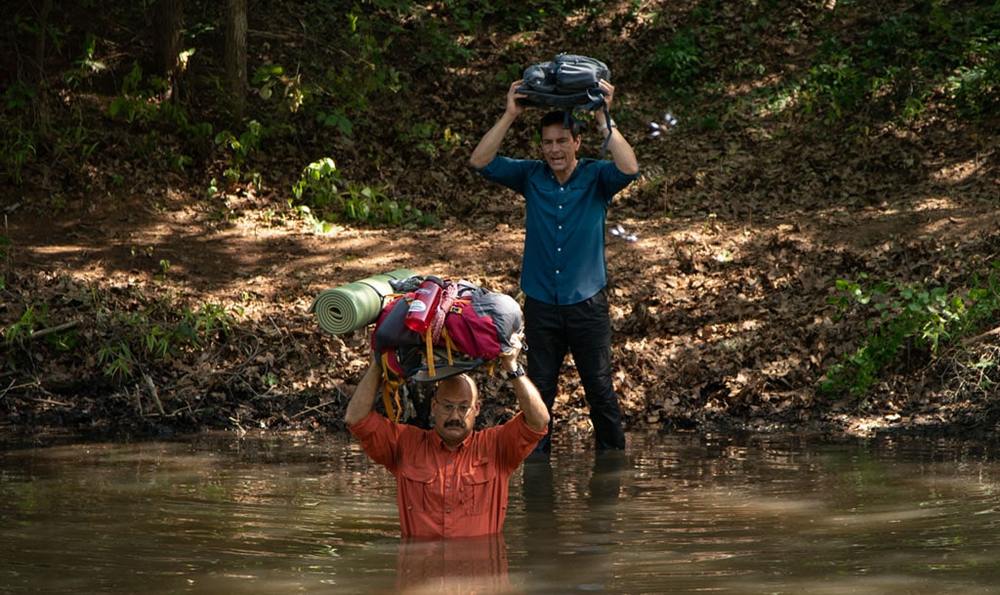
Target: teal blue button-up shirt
x,y
564,227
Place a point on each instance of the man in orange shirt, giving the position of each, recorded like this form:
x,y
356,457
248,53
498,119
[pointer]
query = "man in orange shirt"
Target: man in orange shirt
x,y
451,481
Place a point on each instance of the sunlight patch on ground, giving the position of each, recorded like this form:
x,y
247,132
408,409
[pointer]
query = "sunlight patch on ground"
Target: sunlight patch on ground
x,y
935,203
959,172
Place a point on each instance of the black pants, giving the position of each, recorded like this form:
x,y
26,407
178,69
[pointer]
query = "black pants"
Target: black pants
x,y
584,329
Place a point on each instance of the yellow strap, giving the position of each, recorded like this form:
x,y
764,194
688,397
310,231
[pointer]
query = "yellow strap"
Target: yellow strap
x,y
399,406
429,342
390,387
448,345
387,401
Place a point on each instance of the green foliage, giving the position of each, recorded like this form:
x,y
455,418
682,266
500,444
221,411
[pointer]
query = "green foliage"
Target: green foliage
x,y
140,101
429,139
18,96
271,77
902,62
4,260
135,103
834,87
349,86
18,147
87,65
322,197
158,333
117,360
974,87
902,318
239,148
30,320
678,61
319,185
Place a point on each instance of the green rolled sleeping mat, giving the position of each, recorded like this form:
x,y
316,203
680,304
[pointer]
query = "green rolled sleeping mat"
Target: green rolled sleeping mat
x,y
352,306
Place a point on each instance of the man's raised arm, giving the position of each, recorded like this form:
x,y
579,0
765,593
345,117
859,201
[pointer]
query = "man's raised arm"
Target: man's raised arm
x,y
488,146
621,151
536,415
363,399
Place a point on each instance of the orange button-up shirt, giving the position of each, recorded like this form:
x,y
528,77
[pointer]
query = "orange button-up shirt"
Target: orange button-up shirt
x,y
443,492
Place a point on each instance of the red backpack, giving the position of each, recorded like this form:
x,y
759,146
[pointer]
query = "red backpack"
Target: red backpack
x,y
436,328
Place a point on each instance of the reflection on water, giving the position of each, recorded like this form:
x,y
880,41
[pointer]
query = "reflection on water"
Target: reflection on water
x,y
675,514
467,565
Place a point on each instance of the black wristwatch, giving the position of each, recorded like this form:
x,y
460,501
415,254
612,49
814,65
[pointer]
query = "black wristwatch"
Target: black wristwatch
x,y
517,373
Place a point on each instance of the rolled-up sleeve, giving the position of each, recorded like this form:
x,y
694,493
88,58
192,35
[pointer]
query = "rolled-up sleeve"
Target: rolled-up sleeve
x,y
378,437
612,179
516,440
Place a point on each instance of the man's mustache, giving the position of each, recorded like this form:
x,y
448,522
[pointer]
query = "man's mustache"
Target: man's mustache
x,y
454,423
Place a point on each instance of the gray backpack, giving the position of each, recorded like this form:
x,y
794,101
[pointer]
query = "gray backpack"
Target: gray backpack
x,y
569,83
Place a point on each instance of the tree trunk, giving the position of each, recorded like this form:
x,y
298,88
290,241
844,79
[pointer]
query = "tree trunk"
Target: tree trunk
x,y
42,118
43,115
169,16
236,52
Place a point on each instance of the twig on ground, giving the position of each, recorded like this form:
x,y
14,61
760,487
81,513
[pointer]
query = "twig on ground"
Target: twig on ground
x,y
313,408
9,388
55,329
340,394
47,401
154,393
981,336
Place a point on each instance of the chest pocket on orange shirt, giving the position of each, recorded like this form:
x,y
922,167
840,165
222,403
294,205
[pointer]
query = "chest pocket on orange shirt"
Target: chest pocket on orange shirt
x,y
419,487
477,487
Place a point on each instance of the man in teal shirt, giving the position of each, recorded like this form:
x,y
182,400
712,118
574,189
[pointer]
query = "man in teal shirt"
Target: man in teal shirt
x,y
563,273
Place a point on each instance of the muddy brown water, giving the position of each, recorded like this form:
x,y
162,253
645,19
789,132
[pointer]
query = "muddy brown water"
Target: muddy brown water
x,y
677,514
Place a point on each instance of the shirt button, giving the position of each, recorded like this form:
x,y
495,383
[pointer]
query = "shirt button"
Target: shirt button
x,y
561,189
557,271
558,249
448,510
560,206
559,227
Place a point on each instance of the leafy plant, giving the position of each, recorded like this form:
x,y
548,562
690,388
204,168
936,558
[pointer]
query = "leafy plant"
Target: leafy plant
x,y
133,104
271,77
902,318
428,137
239,148
319,185
975,89
117,360
21,331
87,65
678,61
17,149
159,333
4,260
322,196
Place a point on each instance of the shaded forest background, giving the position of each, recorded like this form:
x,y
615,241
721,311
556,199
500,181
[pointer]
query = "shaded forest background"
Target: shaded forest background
x,y
817,239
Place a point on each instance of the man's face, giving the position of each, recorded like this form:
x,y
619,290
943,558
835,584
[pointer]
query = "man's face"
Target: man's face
x,y
455,408
559,148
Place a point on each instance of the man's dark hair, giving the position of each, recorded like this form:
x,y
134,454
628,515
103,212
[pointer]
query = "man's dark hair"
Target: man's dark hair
x,y
565,119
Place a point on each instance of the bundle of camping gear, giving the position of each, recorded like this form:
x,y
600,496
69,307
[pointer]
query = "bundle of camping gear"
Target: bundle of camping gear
x,y
426,328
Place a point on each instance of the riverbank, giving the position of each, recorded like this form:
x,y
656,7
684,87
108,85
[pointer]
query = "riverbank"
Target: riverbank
x,y
718,326
816,223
